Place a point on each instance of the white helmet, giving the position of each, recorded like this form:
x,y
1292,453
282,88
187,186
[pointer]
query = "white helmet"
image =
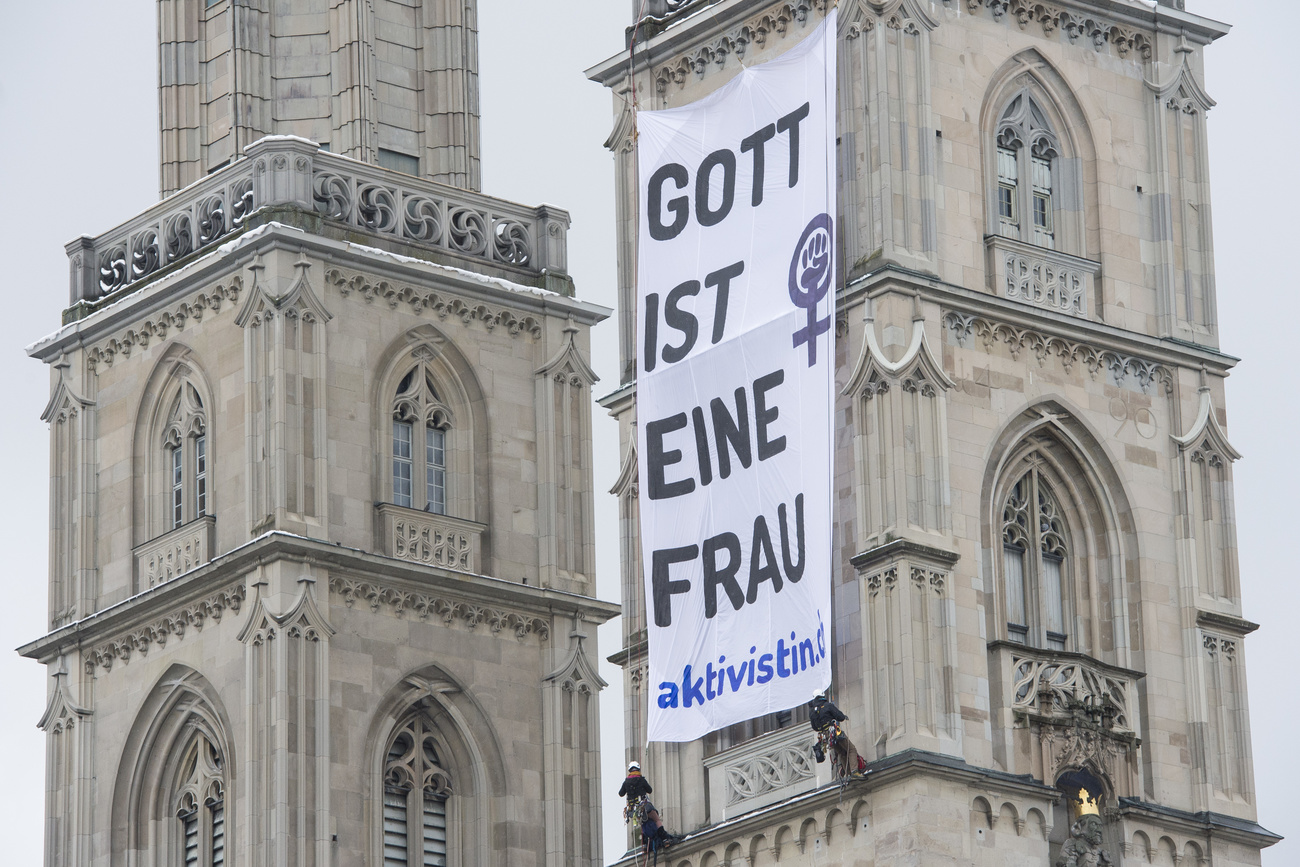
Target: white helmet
x,y
634,766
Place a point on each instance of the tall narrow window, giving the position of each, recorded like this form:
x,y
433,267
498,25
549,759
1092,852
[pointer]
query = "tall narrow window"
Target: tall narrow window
x,y
178,486
186,459
416,789
201,806
201,475
420,475
403,466
1035,574
1008,176
1027,149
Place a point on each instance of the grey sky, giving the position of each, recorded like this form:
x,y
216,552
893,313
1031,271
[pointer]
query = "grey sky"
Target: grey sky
x,y
78,154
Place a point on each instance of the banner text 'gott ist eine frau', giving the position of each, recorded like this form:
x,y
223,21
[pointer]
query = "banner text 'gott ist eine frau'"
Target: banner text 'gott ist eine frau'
x,y
736,298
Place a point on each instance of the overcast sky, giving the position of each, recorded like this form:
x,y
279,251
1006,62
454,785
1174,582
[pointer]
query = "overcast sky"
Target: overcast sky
x,y
78,154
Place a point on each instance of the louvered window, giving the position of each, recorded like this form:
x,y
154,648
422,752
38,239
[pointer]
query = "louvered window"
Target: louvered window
x,y
416,789
201,805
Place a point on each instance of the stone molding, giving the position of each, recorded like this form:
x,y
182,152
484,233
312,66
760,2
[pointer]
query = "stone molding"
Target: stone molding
x,y
1043,278
162,629
179,317
764,770
1056,22
773,21
399,601
369,289
1120,366
425,537
175,553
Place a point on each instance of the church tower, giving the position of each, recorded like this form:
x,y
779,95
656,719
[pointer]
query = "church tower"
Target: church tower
x,y
1039,637
321,584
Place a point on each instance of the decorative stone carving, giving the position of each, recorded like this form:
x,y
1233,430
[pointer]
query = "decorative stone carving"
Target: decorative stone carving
x,y
762,771
158,326
758,775
1055,21
1083,848
1041,277
1121,367
369,290
175,553
160,631
774,20
424,605
1062,688
435,540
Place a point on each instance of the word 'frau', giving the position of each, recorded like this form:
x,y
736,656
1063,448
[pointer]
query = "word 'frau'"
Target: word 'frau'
x,y
720,573
706,213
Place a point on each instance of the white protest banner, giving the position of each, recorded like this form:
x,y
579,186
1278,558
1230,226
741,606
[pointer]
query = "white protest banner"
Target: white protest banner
x,y
736,298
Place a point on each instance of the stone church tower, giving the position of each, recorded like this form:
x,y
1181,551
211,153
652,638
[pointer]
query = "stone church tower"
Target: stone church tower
x,y
321,553
1039,637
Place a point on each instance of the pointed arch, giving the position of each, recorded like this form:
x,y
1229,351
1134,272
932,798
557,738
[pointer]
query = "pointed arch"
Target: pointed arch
x,y
424,381
173,450
466,771
176,769
1094,522
1040,148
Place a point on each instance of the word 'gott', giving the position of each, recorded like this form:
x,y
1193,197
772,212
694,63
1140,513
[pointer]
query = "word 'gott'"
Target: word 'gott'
x,y
707,213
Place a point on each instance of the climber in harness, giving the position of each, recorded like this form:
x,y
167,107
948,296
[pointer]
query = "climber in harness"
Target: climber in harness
x,y
654,836
825,719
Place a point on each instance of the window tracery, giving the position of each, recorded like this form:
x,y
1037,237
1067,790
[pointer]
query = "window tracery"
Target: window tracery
x,y
416,791
200,805
422,423
1027,149
1035,558
185,445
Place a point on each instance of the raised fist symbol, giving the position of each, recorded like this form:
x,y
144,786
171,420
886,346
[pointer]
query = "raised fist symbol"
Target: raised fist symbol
x,y
814,262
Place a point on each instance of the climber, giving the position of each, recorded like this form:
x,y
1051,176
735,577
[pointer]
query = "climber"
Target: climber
x,y
636,788
825,719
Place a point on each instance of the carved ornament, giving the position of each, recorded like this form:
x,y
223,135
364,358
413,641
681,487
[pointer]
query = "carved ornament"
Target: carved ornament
x,y
158,326
369,290
1054,21
425,606
1121,367
174,624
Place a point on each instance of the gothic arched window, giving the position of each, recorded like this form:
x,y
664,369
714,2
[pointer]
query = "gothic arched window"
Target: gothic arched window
x,y
416,793
200,805
422,425
185,460
1035,564
1027,155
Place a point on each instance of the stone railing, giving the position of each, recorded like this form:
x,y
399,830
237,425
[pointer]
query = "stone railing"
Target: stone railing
x,y
763,771
1061,687
1041,277
175,553
422,537
282,170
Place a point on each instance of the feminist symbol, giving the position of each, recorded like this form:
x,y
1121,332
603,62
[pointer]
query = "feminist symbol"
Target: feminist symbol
x,y
810,280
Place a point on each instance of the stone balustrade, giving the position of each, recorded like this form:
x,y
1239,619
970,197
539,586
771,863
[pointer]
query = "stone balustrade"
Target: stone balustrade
x,y
293,172
436,540
173,554
765,770
1041,277
1059,687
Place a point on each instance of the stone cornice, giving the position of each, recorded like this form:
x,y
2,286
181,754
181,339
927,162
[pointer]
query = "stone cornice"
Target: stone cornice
x,y
895,768
1210,824
1099,23
224,261
170,597
1099,335
157,326
903,547
172,625
1225,622
399,600
420,300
